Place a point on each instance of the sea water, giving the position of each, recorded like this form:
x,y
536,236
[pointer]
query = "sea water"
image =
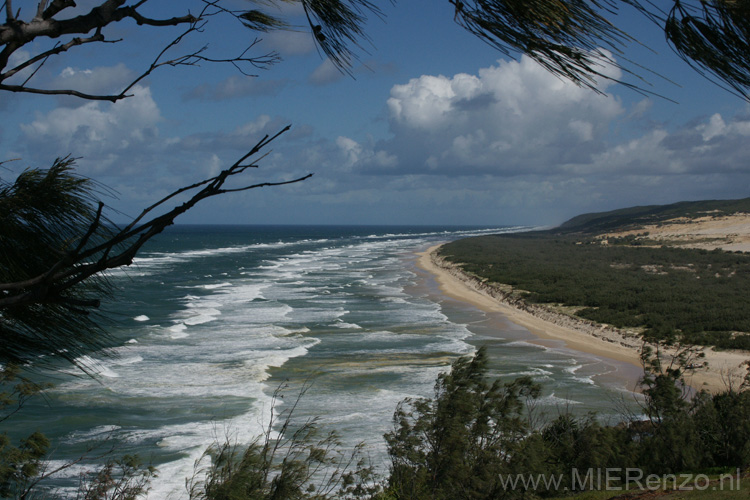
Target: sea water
x,y
210,320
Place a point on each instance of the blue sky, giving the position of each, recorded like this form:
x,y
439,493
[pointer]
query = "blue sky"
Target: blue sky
x,y
435,127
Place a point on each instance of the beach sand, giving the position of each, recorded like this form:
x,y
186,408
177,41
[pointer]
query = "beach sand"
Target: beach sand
x,y
722,366
728,232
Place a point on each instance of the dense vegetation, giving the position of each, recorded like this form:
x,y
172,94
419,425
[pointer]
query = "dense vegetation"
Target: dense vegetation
x,y
695,296
475,439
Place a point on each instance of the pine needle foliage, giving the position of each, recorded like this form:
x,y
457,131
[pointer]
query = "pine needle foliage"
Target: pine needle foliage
x,y
289,461
46,216
338,27
713,37
564,36
19,464
459,443
125,478
579,40
59,246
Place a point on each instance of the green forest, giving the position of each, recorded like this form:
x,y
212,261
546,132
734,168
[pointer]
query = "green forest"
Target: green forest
x,y
670,294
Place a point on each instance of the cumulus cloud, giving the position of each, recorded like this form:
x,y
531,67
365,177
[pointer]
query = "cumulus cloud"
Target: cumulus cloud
x,y
710,146
513,138
510,119
516,119
715,145
99,132
510,143
353,154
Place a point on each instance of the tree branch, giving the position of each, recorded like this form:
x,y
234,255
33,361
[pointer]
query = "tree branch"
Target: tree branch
x,y
109,14
57,6
58,49
119,249
141,20
75,93
40,10
9,12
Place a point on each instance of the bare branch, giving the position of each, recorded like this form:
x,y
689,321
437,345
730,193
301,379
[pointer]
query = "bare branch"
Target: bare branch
x,y
75,93
112,14
264,184
57,6
119,249
58,49
40,10
174,21
99,17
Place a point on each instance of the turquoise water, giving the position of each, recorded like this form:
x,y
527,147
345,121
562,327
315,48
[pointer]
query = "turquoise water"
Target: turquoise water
x,y
209,321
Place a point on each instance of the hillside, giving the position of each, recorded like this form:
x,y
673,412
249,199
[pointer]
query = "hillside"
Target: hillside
x,y
637,217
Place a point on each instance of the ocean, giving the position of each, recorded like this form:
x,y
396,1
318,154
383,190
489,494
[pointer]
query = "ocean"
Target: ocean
x,y
210,320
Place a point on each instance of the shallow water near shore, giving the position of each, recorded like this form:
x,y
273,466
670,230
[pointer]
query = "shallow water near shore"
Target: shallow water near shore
x,y
211,320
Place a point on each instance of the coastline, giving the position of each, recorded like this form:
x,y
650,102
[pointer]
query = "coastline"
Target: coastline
x,y
579,335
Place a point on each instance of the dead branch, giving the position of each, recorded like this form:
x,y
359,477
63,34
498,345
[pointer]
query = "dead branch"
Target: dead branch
x,y
15,34
120,248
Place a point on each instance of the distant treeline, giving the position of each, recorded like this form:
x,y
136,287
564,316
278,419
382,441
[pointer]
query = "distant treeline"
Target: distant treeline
x,y
696,296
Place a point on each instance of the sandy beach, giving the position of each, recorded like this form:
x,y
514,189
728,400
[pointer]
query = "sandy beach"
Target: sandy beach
x,y
580,335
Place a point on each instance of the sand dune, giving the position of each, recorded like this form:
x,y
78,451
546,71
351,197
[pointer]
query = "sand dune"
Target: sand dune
x,y
730,232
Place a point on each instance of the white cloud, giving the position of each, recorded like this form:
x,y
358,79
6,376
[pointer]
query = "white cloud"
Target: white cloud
x,y
97,131
353,154
350,149
516,119
423,103
644,155
718,128
640,109
514,139
254,127
510,119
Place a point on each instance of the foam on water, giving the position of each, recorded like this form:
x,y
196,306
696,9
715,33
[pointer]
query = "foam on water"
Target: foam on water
x,y
177,331
214,286
96,433
128,360
552,400
347,308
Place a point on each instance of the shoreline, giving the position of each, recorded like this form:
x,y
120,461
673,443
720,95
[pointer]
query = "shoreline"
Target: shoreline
x,y
580,335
